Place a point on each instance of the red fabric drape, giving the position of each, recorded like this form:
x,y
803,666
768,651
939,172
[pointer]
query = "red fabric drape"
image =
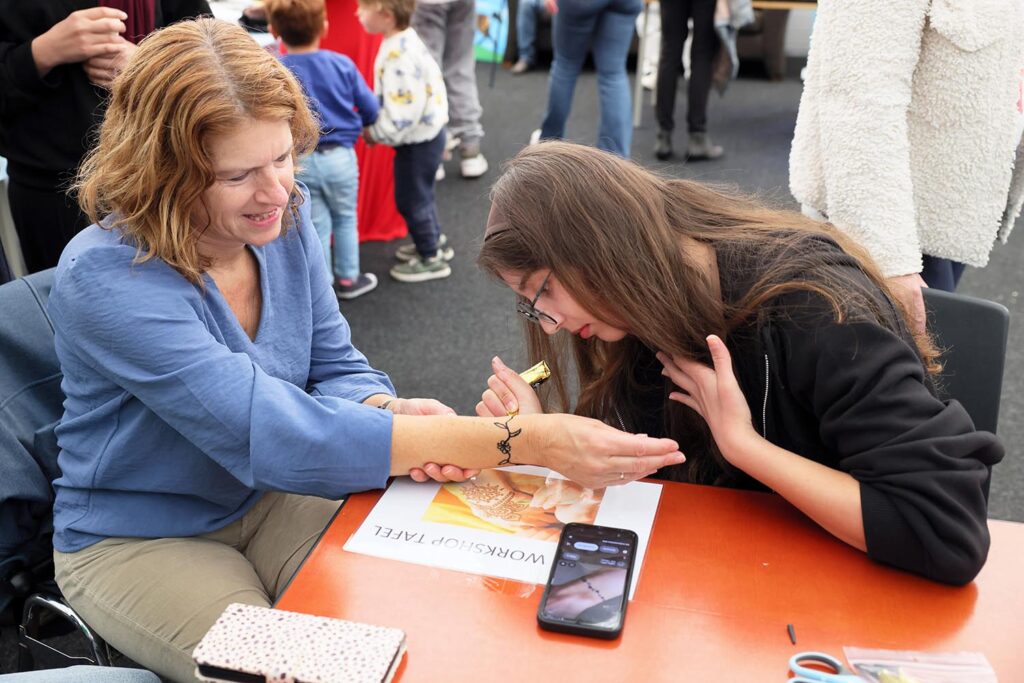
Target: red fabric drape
x,y
140,20
378,217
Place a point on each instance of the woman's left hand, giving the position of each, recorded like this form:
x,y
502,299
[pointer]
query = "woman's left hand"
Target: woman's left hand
x,y
103,69
713,392
430,471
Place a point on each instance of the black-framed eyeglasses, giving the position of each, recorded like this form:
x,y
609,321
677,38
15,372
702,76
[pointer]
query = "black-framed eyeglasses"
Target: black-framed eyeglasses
x,y
528,309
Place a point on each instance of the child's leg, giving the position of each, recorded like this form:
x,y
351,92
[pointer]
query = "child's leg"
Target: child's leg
x,y
319,211
414,191
341,190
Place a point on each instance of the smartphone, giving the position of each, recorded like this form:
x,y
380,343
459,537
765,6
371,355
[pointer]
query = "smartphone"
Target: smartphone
x,y
587,590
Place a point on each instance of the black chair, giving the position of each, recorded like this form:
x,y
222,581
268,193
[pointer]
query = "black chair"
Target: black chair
x,y
972,333
31,404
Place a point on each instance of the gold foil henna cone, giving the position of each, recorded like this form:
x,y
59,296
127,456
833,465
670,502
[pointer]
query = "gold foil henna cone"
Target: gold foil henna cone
x,y
536,375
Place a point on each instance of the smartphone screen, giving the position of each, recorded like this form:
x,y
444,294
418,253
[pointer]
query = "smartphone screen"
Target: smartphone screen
x,y
589,581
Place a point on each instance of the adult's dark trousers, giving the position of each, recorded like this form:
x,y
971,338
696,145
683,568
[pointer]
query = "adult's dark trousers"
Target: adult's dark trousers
x,y
5,269
45,220
415,167
941,273
674,16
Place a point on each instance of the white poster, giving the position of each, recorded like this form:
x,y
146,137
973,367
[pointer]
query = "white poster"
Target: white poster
x,y
504,523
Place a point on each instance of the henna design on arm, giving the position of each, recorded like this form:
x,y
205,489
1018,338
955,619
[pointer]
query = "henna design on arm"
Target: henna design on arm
x,y
505,445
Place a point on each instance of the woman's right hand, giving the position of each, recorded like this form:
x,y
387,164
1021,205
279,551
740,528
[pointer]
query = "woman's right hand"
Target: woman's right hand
x,y
595,455
507,393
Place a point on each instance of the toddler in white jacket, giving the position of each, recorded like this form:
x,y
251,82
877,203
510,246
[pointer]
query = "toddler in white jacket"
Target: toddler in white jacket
x,y
413,113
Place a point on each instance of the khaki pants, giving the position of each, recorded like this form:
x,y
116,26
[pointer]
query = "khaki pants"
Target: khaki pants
x,y
154,599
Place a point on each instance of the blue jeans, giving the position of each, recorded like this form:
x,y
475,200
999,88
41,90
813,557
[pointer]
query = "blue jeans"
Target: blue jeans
x,y
333,180
526,27
606,27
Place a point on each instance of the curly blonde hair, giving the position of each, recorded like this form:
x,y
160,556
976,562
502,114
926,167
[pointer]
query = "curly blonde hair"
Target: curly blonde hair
x,y
185,84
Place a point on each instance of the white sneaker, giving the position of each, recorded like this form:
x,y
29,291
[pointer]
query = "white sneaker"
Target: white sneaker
x,y
439,174
649,80
535,137
474,166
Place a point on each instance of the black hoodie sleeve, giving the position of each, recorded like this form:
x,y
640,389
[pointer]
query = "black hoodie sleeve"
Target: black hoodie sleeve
x,y
177,10
923,469
20,82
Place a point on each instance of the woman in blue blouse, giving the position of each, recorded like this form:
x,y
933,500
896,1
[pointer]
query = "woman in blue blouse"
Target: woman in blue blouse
x,y
215,404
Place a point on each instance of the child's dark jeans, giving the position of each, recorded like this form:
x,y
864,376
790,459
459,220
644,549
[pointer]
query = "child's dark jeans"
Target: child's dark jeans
x,y
415,166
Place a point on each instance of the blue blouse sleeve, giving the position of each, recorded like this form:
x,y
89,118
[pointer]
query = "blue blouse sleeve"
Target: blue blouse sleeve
x,y
141,327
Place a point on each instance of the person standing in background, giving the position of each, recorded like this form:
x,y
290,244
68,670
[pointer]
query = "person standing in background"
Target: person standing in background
x,y
527,14
413,113
675,14
919,165
56,67
605,28
446,27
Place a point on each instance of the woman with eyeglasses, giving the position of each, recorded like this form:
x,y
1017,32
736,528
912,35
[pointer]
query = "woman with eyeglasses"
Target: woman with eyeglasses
x,y
216,409
765,343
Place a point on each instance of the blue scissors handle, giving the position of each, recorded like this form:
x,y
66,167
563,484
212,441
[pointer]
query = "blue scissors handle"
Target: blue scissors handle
x,y
805,674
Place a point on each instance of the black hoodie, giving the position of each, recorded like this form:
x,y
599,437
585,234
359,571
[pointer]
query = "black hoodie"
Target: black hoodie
x,y
854,396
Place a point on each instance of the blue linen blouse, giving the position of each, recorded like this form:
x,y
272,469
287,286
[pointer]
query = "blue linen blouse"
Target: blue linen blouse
x,y
175,422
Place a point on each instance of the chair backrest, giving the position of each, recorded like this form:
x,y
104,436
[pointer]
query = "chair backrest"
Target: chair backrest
x,y
31,404
972,333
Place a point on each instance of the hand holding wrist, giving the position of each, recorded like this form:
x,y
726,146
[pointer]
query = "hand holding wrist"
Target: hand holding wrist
x,y
43,54
80,36
533,446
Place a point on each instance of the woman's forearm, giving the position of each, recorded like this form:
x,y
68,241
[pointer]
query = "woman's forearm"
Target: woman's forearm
x,y
581,449
828,496
466,442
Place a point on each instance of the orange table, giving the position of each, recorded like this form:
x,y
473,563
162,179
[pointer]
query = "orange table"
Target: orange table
x,y
725,572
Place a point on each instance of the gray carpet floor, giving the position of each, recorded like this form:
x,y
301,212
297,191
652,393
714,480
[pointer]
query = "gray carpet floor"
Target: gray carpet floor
x,y
436,339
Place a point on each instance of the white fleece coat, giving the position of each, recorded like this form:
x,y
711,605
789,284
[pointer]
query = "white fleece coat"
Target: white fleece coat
x,y
909,125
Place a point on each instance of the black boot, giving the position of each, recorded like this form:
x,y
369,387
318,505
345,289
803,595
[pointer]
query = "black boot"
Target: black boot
x,y
663,146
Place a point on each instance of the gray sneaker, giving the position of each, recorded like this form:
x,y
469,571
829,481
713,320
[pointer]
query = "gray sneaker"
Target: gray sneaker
x,y
701,148
663,145
421,269
407,252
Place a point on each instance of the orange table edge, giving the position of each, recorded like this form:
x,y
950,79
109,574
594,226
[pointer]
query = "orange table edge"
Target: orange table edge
x,y
726,571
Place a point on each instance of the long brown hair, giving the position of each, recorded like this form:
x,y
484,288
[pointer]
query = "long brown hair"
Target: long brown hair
x,y
612,232
184,84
